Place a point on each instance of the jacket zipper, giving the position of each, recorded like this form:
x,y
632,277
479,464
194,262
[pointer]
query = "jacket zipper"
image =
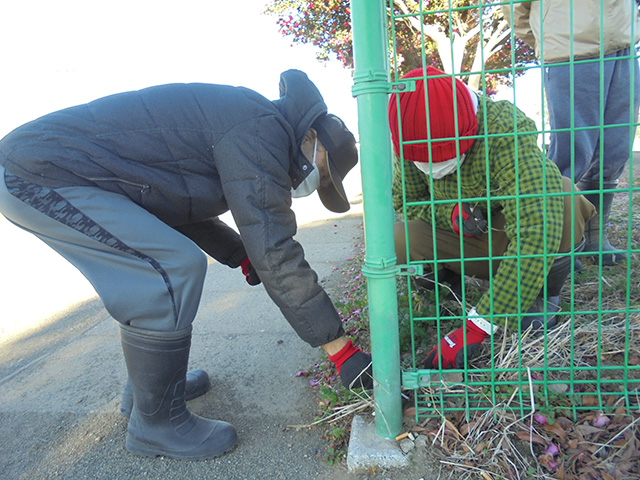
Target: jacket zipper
x,y
143,188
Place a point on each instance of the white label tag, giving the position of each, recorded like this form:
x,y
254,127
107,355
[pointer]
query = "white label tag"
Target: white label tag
x,y
481,323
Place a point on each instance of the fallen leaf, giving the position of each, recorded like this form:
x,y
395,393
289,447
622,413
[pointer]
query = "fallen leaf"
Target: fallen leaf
x,y
575,461
591,472
459,415
420,430
480,447
556,429
410,412
450,427
621,442
564,422
630,453
534,438
588,429
627,467
589,400
466,428
591,448
548,462
560,472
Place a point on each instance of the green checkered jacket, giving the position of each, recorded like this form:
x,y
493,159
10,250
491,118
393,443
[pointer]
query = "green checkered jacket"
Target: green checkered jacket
x,y
498,174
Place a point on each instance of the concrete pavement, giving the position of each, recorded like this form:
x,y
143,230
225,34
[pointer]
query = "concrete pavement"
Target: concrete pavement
x,y
61,375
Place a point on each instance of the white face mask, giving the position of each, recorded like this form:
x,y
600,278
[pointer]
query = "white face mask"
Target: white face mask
x,y
312,181
440,169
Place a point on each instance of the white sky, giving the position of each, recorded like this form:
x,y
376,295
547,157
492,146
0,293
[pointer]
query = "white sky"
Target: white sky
x,y
58,53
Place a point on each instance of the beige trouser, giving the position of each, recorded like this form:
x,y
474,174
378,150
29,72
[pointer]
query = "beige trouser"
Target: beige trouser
x,y
447,242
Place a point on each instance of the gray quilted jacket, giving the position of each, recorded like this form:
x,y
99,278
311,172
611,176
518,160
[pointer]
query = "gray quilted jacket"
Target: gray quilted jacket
x,y
188,153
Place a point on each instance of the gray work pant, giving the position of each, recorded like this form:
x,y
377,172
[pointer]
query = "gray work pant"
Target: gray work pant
x,y
583,147
147,274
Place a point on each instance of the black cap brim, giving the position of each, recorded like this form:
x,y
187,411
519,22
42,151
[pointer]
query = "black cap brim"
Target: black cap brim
x,y
343,156
334,197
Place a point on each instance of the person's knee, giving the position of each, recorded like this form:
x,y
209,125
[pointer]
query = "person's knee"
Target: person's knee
x,y
171,296
194,262
400,243
578,208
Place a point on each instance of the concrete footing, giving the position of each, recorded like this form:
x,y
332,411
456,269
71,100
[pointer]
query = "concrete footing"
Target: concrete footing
x,y
368,450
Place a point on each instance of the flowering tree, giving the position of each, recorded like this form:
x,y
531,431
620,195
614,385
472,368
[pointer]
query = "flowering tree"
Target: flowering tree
x,y
454,35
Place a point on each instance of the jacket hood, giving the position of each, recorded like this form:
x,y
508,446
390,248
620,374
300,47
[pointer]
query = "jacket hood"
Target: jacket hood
x,y
300,103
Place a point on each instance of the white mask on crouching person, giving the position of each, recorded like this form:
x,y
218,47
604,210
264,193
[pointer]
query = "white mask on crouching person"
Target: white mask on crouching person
x,y
440,169
312,181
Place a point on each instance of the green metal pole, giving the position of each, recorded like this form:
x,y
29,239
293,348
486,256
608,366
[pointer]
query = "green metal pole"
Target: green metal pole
x,y
371,88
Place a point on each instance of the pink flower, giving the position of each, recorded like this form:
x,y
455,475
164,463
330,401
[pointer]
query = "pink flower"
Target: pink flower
x,y
541,419
551,450
601,420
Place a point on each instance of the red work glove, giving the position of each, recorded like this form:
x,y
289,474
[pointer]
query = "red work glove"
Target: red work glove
x,y
452,347
353,366
473,222
249,272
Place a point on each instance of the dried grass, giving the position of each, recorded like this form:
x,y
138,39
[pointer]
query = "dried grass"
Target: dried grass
x,y
502,440
569,345
341,412
500,443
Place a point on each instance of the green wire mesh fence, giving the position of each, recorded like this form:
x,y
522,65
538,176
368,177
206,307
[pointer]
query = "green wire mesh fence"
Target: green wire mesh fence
x,y
590,358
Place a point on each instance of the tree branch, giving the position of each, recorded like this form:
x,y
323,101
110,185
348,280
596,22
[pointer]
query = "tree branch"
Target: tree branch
x,y
413,21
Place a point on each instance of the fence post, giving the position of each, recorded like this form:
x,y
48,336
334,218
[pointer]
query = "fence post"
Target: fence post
x,y
371,88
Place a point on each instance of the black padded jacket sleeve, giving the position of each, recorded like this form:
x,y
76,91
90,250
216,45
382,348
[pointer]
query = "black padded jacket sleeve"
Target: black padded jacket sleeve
x,y
217,240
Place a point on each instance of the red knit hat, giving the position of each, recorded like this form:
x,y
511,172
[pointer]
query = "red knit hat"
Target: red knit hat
x,y
441,116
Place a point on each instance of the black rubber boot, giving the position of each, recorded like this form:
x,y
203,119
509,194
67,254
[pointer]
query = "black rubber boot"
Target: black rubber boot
x,y
592,227
198,384
556,278
160,422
